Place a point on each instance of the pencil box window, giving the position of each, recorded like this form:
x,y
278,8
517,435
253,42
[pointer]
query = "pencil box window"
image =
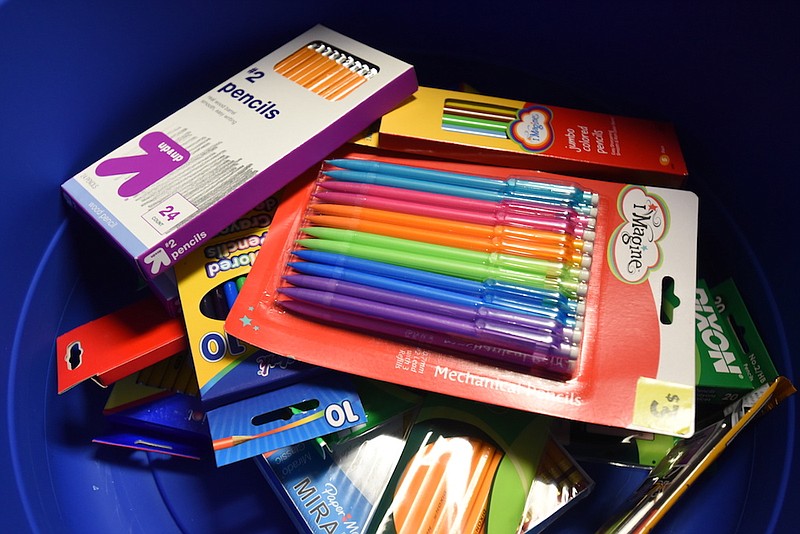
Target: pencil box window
x,y
327,71
477,118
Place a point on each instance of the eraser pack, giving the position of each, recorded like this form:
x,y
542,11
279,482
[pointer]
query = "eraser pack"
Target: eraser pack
x,y
169,189
544,319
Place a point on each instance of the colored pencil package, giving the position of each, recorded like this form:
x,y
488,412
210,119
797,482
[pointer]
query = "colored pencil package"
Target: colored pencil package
x,y
512,133
335,485
324,404
209,281
155,419
469,467
162,194
559,295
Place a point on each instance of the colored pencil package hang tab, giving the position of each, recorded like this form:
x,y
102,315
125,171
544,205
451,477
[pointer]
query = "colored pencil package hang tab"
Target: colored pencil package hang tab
x,y
162,194
559,295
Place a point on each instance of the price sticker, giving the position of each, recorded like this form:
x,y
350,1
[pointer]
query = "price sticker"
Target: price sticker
x,y
664,407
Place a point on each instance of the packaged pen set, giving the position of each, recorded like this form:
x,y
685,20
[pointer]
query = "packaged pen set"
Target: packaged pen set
x,y
163,193
443,462
575,301
469,467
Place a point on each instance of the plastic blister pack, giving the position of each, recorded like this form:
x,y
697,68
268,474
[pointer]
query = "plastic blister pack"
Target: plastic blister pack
x,y
382,293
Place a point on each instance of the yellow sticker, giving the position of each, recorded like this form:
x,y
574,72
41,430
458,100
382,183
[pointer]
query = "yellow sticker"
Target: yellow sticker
x,y
664,407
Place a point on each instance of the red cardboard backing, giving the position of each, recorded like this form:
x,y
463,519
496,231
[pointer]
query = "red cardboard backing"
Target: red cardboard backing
x,y
634,371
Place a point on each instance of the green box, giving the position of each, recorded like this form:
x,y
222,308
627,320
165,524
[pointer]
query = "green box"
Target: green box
x,y
731,359
758,365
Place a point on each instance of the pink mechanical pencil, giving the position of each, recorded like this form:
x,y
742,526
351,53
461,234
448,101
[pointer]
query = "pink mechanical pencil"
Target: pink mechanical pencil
x,y
508,212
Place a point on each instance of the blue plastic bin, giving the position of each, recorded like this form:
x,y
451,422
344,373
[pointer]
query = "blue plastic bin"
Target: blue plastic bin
x,y
77,80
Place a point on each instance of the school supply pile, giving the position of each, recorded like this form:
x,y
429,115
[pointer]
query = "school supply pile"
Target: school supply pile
x,y
423,327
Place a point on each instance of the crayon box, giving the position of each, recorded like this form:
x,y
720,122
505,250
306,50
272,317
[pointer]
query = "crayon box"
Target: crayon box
x,y
163,193
512,133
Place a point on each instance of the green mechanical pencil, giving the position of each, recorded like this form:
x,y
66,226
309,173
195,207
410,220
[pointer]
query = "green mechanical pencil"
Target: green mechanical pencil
x,y
534,266
472,271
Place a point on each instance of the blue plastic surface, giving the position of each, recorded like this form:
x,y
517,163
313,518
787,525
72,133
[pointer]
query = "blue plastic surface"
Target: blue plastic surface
x,y
78,80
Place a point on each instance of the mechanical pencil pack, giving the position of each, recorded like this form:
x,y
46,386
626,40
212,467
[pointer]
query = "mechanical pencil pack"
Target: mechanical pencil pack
x,y
559,295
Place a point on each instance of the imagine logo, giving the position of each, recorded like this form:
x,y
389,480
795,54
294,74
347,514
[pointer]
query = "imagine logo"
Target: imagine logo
x,y
634,250
532,129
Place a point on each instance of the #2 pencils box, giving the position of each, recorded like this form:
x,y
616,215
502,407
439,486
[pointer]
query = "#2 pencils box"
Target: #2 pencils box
x,y
558,295
166,191
512,133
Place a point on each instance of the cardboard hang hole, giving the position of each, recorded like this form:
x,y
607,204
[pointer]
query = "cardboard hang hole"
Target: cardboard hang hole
x,y
740,332
285,413
74,355
669,300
